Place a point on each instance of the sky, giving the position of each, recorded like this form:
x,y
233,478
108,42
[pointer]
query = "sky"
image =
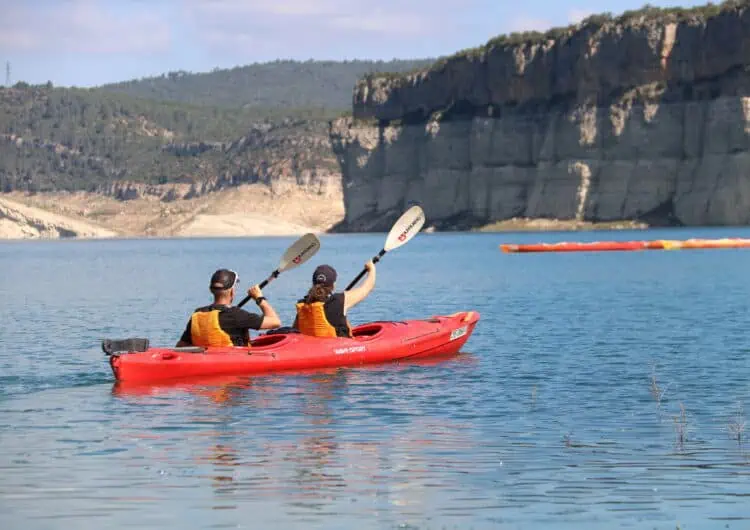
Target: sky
x,y
91,42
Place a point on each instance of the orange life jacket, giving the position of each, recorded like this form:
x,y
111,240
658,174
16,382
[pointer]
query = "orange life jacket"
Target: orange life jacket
x,y
205,330
311,320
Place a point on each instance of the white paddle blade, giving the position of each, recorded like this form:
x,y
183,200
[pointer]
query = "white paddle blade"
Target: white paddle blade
x,y
301,251
408,225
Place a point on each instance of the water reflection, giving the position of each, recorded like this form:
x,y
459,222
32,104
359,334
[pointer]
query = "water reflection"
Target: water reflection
x,y
293,435
388,445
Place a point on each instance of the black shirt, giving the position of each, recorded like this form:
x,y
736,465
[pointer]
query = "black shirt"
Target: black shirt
x,y
234,321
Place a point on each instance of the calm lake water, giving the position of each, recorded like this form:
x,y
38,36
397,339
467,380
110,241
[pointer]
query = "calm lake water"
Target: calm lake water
x,y
548,420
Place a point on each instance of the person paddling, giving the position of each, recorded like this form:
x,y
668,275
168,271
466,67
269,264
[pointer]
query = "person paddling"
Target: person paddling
x,y
221,324
322,313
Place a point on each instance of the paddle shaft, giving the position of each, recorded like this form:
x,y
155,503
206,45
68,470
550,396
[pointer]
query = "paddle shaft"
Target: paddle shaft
x,y
274,274
364,270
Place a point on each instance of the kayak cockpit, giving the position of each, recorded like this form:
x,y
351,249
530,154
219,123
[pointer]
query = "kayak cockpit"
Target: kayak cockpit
x,y
268,340
367,331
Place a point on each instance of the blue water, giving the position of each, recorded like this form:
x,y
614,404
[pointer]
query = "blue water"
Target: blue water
x,y
547,420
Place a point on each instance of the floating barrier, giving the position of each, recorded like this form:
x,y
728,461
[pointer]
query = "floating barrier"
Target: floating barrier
x,y
599,246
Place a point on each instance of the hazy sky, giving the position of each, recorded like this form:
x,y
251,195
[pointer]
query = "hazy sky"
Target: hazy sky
x,y
90,42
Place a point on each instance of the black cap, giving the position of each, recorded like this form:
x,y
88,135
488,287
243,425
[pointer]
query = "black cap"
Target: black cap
x,y
324,275
223,279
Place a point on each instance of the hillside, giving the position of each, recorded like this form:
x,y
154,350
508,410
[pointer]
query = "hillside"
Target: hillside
x,y
262,123
274,85
86,139
19,221
244,210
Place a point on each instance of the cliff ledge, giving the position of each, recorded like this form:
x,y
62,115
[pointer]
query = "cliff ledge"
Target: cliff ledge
x,y
641,117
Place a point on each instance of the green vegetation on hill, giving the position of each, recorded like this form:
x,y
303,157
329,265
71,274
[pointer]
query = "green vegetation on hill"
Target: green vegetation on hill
x,y
647,13
73,139
274,85
239,125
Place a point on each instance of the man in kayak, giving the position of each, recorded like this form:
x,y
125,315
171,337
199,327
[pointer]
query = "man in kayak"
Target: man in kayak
x,y
322,313
220,324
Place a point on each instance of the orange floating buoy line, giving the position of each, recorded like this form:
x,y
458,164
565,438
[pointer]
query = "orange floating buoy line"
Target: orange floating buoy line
x,y
597,246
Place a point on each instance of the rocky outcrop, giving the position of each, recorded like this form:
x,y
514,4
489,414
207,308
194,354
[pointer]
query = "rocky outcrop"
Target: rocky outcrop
x,y
268,154
280,178
642,117
18,221
248,210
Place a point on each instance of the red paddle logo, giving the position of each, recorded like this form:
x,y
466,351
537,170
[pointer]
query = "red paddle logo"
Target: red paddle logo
x,y
298,258
403,235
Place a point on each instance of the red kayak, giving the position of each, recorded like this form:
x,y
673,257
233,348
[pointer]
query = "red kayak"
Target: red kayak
x,y
599,246
222,388
569,246
375,342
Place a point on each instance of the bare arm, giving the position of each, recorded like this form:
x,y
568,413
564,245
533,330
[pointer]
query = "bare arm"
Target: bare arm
x,y
270,319
357,294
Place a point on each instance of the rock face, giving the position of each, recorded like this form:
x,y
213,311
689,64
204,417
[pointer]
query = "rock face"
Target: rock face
x,y
278,156
18,221
643,117
281,179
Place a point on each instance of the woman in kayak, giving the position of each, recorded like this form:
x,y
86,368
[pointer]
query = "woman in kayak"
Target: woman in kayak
x,y
322,313
220,324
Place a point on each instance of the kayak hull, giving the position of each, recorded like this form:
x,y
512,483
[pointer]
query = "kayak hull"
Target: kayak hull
x,y
221,387
375,342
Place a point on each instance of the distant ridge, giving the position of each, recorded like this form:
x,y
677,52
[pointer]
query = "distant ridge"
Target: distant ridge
x,y
277,84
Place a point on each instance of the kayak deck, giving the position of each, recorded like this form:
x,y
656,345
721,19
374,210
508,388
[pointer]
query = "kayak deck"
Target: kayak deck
x,y
374,342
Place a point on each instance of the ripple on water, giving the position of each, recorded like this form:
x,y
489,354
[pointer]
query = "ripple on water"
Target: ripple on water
x,y
549,420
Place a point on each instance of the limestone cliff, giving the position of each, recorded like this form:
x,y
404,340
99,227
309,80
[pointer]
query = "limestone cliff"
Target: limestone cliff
x,y
646,116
